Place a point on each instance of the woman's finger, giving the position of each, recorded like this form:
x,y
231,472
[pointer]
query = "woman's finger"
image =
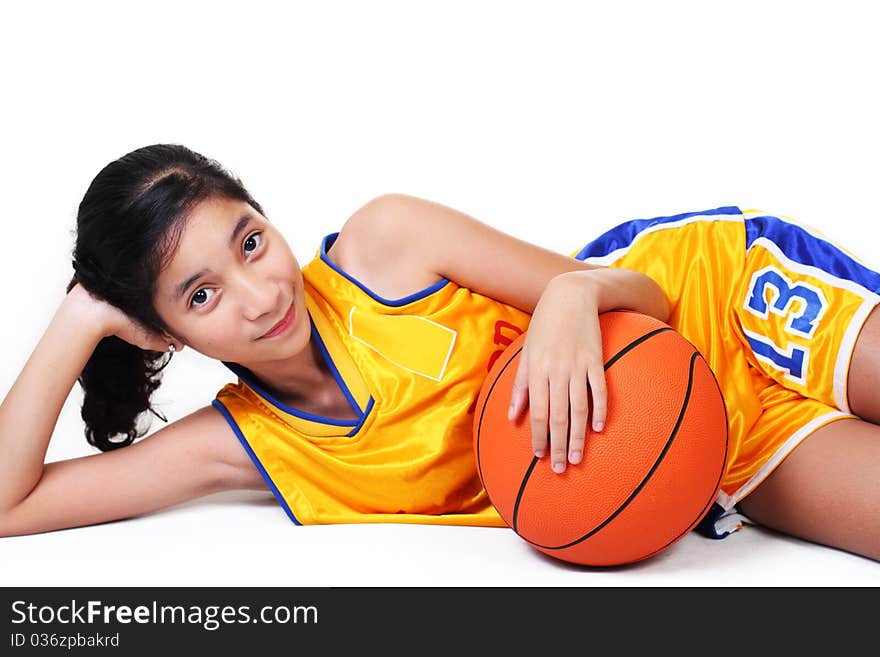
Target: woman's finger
x,y
579,410
520,388
559,421
600,396
538,403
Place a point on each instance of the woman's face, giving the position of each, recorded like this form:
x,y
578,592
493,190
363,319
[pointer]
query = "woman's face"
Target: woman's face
x,y
231,279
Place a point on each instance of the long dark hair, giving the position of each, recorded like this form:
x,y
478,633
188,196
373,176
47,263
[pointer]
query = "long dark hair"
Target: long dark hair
x,y
128,223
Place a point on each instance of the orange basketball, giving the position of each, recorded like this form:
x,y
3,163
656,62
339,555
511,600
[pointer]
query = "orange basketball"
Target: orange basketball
x,y
645,480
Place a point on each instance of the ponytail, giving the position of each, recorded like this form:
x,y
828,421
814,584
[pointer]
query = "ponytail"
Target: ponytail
x,y
117,383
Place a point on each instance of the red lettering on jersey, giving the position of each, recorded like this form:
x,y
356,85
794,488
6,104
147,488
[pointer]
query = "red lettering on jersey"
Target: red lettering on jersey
x,y
500,338
504,340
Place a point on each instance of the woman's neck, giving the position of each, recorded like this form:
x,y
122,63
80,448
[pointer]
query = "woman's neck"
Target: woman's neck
x,y
302,377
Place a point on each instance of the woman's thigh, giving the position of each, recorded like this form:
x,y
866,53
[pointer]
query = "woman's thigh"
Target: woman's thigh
x,y
827,490
864,371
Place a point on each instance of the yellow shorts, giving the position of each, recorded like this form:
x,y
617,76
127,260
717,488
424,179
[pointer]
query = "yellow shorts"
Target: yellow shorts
x,y
774,307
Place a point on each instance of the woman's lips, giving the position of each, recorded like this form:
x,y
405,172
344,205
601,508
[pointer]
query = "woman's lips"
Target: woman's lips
x,y
281,326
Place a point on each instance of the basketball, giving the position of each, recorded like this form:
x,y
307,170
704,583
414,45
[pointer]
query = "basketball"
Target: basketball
x,y
645,480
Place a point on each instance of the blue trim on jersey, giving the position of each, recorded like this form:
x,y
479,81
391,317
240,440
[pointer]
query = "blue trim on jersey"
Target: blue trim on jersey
x,y
247,377
328,241
625,234
366,414
806,249
322,347
232,423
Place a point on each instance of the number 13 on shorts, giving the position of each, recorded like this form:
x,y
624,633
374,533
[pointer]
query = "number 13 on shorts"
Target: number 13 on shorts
x,y
799,307
801,303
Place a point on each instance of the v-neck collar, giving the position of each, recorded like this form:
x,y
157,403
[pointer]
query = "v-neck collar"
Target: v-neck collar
x,y
345,372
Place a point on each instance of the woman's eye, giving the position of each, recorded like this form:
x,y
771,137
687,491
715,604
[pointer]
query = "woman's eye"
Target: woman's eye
x,y
256,239
200,298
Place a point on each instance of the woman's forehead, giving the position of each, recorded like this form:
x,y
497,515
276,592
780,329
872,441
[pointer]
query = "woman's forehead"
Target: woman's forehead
x,y
218,210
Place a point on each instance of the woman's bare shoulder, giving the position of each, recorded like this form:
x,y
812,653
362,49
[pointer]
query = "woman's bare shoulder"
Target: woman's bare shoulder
x,y
367,251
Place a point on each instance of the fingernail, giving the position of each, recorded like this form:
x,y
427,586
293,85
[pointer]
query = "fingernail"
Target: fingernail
x,y
559,466
576,456
539,453
598,426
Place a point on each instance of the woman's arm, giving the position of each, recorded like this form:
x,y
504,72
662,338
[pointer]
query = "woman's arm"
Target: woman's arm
x,y
194,456
189,458
30,410
454,245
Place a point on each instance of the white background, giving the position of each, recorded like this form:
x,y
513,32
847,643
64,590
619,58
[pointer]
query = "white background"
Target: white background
x,y
552,121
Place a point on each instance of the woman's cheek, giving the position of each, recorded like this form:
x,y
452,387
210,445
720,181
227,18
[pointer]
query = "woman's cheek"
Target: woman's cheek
x,y
218,337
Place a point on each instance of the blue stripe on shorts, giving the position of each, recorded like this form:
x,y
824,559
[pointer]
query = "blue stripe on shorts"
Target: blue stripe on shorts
x,y
800,246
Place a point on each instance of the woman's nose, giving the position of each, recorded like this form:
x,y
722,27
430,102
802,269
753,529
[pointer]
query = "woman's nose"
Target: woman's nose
x,y
258,297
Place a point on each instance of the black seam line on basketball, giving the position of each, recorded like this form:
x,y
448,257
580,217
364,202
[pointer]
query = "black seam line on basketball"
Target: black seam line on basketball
x,y
519,493
654,467
483,412
717,485
635,343
620,354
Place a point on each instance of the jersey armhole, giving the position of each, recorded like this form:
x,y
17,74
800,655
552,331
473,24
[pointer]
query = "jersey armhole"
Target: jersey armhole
x,y
328,242
224,411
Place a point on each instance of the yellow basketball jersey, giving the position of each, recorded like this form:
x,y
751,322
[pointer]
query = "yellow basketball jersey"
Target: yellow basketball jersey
x,y
411,368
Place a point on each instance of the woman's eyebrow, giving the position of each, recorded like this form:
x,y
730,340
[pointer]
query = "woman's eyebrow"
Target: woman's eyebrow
x,y
240,225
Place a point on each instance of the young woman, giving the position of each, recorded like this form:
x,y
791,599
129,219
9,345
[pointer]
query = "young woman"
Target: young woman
x,y
357,374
